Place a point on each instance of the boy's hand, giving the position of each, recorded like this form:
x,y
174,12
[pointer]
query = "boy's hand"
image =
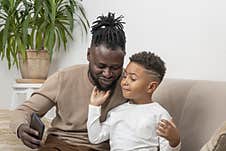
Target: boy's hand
x,y
98,97
168,130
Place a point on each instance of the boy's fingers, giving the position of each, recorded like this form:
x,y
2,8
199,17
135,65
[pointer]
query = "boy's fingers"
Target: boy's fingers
x,y
107,93
94,91
160,133
163,123
171,122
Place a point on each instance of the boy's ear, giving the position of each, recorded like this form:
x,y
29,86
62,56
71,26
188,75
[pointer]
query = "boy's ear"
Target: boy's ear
x,y
152,86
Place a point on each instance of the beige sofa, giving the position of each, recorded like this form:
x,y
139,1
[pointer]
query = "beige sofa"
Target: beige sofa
x,y
198,108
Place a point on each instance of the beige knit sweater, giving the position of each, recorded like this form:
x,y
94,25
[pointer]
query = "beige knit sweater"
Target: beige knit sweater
x,y
69,90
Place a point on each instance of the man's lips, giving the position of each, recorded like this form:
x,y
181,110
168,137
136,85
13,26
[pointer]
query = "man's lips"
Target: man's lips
x,y
106,81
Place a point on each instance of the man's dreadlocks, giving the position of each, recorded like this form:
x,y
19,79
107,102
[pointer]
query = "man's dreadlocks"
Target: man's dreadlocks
x,y
108,30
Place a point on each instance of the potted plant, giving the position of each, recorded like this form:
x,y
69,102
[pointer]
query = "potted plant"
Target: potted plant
x,y
35,28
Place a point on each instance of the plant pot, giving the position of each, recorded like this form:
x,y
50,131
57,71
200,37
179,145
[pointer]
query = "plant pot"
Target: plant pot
x,y
35,66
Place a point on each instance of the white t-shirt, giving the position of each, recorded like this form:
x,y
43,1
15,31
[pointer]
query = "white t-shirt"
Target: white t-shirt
x,y
130,127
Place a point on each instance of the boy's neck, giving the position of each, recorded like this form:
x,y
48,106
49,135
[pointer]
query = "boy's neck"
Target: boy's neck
x,y
141,101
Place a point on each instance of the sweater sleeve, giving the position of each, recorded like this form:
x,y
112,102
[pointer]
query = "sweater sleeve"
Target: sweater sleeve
x,y
40,102
97,132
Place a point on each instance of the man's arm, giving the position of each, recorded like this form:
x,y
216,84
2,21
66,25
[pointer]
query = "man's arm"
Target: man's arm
x,y
40,102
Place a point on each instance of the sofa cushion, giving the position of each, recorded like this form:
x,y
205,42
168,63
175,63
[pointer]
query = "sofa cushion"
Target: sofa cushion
x,y
217,141
197,106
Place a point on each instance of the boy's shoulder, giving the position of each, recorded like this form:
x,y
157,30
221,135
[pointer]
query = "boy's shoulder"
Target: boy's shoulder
x,y
162,111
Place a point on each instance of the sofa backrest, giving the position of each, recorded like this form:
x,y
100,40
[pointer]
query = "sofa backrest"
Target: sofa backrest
x,y
198,108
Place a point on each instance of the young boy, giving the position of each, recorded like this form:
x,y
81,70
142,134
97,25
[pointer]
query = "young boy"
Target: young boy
x,y
141,123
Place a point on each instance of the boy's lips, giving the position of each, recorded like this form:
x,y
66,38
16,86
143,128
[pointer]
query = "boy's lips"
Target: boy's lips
x,y
125,89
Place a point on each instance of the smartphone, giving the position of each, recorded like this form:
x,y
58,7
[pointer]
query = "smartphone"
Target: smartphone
x,y
37,124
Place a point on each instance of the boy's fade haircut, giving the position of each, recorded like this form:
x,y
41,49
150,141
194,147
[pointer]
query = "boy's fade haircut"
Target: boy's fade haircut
x,y
108,30
151,62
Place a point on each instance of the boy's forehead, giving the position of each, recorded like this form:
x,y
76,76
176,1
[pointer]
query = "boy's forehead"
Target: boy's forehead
x,y
134,67
138,68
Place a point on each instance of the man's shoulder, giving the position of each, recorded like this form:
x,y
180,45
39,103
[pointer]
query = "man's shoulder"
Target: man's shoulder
x,y
74,69
73,72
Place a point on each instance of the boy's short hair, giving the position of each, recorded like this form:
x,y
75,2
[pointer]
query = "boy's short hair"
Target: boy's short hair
x,y
151,62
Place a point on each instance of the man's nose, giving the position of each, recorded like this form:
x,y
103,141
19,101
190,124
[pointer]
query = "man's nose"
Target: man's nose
x,y
107,73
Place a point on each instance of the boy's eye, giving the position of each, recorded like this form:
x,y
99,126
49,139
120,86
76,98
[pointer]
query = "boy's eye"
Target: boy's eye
x,y
133,78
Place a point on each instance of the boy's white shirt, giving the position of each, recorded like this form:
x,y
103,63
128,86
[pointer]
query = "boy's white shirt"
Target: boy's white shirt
x,y
129,127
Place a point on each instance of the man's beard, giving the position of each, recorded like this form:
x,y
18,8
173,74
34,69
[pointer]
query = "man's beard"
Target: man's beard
x,y
97,84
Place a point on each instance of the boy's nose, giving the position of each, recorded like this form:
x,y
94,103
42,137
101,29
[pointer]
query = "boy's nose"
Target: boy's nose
x,y
124,82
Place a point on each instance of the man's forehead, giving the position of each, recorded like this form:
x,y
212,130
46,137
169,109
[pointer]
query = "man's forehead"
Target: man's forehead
x,y
103,49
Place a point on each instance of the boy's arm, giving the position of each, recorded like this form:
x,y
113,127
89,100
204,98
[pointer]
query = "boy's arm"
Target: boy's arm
x,y
97,132
170,139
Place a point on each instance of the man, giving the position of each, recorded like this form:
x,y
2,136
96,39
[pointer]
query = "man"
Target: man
x,y
69,91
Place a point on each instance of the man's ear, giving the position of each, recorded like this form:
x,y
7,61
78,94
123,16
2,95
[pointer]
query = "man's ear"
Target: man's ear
x,y
152,86
88,54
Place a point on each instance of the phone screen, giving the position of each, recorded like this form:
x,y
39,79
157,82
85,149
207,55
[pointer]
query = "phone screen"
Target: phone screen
x,y
38,125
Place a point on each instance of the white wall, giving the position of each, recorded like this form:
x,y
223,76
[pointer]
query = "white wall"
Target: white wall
x,y
189,35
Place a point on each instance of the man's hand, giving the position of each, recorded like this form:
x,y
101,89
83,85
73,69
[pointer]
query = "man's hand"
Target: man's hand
x,y
27,136
98,97
168,130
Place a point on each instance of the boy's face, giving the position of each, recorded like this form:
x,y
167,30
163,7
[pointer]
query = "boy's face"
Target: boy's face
x,y
105,66
136,83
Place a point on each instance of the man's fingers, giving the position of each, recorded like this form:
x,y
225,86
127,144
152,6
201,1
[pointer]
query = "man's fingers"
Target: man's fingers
x,y
31,139
31,131
29,144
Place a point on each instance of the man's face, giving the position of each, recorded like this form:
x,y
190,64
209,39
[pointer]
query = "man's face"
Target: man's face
x,y
105,66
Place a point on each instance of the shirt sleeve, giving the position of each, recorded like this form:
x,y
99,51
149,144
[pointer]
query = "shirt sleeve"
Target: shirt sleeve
x,y
164,145
97,132
40,102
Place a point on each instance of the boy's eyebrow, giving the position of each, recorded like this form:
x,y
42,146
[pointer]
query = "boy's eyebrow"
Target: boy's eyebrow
x,y
130,72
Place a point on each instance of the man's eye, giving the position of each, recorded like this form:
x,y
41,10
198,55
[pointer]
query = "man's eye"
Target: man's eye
x,y
115,68
100,66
